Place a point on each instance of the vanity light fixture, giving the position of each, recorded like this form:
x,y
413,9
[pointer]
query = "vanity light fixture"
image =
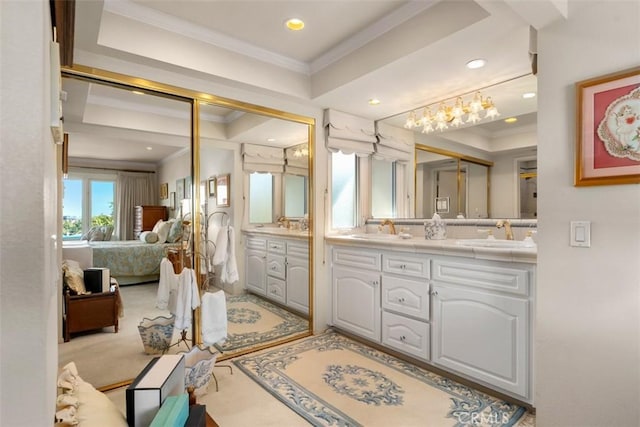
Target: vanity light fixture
x,y
302,151
476,63
529,95
374,101
511,120
294,24
453,115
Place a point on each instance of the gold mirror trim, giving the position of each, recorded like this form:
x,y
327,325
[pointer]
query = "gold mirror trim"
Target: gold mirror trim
x,y
525,175
196,98
453,154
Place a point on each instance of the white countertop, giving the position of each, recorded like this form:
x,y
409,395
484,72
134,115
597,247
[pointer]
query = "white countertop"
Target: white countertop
x,y
438,247
280,232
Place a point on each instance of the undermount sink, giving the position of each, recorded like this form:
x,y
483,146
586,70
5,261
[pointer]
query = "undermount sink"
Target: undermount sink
x,y
375,236
495,243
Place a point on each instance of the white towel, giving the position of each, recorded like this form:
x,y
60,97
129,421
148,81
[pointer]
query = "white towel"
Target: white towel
x,y
187,298
214,317
222,242
229,271
168,282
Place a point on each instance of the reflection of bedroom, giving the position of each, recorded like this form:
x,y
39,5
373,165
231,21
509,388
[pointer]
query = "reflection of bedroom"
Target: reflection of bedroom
x,y
128,206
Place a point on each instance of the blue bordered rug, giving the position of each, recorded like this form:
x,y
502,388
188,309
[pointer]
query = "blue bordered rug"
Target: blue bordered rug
x,y
252,321
331,380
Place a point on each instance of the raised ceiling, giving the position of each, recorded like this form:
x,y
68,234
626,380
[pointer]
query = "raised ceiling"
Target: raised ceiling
x,y
405,53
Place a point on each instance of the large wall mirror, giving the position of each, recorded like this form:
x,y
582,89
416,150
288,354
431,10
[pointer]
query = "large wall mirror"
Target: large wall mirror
x,y
482,169
173,143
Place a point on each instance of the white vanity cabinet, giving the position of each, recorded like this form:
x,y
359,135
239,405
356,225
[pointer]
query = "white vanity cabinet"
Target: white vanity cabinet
x,y
481,321
278,268
355,279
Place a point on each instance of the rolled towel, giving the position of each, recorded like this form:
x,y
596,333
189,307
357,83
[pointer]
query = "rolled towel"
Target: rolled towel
x,y
214,317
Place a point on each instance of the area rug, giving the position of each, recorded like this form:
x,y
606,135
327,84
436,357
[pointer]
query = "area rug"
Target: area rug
x,y
252,321
331,380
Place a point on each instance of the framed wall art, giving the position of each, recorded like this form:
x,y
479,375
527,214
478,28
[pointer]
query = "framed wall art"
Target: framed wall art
x,y
608,129
180,189
223,190
212,187
164,191
172,200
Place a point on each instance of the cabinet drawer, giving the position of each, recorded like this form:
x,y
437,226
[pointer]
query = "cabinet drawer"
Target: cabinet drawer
x,y
406,265
276,266
256,243
276,290
298,249
357,258
406,335
409,297
485,275
276,246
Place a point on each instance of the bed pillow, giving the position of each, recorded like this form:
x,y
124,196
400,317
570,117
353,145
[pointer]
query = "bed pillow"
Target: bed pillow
x,y
175,233
156,227
149,237
74,276
163,231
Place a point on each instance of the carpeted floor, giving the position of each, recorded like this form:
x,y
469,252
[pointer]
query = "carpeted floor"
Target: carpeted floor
x,y
253,321
332,380
105,358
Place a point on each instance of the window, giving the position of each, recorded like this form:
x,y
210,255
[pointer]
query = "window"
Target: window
x,y
295,196
344,190
87,201
260,198
383,189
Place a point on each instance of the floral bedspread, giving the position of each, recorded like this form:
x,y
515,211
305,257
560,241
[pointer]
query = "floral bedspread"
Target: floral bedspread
x,y
129,257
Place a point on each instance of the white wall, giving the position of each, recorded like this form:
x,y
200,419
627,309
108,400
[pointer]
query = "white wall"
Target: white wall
x,y
29,275
588,312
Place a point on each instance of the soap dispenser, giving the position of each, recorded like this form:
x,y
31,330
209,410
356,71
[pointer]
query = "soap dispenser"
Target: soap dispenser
x,y
528,241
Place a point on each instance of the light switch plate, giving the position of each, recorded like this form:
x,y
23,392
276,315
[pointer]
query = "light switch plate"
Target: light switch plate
x,y
581,234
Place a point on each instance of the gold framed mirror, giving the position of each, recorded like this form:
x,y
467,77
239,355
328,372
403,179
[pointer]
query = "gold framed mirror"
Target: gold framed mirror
x,y
185,161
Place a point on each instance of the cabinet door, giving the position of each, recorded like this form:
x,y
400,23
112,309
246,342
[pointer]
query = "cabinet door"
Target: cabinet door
x,y
298,284
275,266
256,271
356,301
276,289
483,335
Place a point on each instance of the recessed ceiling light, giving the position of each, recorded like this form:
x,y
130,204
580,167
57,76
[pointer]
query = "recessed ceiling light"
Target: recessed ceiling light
x,y
529,95
476,63
511,120
137,92
271,139
149,148
295,24
374,101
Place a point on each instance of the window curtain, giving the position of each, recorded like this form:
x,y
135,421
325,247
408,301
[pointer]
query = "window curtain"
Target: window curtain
x,y
261,158
132,189
393,144
349,134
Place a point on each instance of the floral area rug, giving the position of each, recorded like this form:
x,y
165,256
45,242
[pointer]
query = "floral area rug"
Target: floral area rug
x,y
331,380
252,321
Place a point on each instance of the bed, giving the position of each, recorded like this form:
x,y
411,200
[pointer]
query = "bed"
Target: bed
x,y
131,261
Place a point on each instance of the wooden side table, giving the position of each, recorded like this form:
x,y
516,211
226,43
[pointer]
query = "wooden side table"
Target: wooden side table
x,y
90,311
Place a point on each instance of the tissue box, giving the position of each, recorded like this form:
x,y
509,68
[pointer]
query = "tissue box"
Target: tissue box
x,y
434,230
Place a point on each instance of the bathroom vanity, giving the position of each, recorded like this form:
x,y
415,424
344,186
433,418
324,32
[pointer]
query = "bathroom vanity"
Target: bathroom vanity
x,y
277,266
466,310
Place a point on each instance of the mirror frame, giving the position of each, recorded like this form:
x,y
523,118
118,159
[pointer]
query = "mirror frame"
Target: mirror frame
x,y
196,99
460,158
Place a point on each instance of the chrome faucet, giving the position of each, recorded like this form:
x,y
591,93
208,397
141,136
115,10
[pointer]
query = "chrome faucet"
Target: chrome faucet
x,y
507,228
392,227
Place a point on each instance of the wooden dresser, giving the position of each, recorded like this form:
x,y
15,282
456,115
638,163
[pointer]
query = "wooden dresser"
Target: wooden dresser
x,y
146,217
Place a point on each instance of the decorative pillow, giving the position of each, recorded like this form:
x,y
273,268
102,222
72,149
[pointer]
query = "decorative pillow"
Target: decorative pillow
x,y
163,231
95,409
74,276
149,237
156,227
67,416
108,231
175,234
